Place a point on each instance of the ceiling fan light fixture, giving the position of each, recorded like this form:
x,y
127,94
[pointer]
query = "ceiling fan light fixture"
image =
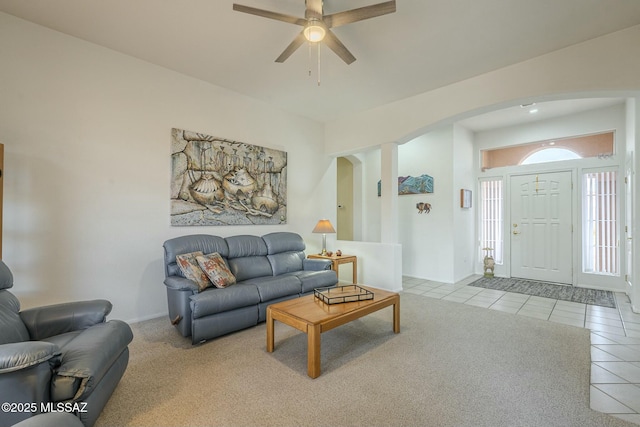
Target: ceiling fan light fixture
x,y
314,32
316,26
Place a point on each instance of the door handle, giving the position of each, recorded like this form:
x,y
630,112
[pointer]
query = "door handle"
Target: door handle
x,y
515,232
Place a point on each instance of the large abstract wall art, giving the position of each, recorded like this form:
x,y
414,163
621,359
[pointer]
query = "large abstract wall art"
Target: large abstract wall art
x,y
215,181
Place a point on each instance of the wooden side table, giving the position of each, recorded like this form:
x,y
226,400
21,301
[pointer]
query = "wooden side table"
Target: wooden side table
x,y
337,260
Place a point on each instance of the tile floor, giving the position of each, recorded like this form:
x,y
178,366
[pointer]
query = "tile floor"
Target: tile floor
x,y
615,336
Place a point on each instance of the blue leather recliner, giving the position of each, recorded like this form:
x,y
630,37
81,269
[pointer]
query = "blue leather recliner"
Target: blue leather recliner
x,y
63,357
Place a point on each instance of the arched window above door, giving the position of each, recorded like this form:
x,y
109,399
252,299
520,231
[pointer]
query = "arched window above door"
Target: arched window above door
x,y
577,147
550,154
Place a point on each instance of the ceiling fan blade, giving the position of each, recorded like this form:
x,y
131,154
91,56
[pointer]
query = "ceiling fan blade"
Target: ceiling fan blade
x,y
359,14
268,14
295,44
314,9
336,45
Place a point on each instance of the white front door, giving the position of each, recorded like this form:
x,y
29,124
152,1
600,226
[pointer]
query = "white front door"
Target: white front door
x,y
541,236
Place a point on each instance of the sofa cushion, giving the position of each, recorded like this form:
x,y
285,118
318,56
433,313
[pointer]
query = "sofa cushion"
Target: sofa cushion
x,y
286,262
272,287
246,246
250,267
22,355
87,358
191,269
312,264
204,243
316,279
216,270
62,339
248,257
283,241
218,300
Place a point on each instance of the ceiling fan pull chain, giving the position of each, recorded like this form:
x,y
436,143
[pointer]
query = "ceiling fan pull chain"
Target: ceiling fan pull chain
x,y
318,63
309,59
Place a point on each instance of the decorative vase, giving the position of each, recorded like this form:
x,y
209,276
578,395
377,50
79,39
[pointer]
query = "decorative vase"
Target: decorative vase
x,y
206,190
489,263
264,200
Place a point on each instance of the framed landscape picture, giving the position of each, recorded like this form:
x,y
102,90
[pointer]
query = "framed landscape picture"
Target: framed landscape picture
x,y
422,184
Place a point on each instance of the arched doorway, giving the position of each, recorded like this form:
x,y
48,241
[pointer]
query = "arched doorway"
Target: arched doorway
x,y
349,197
345,199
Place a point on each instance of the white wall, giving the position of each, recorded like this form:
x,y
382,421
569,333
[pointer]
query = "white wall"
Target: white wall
x,y
609,63
427,239
633,139
439,245
464,220
371,212
87,166
605,66
584,123
377,264
442,245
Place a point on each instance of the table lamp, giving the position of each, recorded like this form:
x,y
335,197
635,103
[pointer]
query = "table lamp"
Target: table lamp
x,y
324,226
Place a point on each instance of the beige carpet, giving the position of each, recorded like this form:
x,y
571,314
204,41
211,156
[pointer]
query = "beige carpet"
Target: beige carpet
x,y
451,365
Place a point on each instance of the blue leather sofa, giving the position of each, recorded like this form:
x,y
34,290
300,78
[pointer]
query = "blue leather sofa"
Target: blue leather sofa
x,y
267,269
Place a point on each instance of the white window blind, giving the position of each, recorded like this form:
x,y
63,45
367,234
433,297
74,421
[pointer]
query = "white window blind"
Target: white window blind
x,y
491,219
600,229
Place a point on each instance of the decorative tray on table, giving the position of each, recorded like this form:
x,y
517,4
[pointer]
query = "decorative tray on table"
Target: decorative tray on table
x,y
340,294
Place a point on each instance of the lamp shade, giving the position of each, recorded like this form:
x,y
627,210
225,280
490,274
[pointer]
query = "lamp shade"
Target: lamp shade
x,y
324,226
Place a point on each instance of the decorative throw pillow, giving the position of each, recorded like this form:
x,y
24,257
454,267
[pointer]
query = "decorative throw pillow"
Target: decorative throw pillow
x,y
216,270
191,270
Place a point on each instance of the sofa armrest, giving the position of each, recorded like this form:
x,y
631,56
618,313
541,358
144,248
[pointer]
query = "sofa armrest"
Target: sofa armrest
x,y
22,355
311,264
87,358
178,283
45,322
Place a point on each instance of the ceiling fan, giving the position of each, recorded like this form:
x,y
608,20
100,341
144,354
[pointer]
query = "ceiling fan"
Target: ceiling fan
x,y
317,26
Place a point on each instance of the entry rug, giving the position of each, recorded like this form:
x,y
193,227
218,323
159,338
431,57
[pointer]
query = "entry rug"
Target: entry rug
x,y
548,290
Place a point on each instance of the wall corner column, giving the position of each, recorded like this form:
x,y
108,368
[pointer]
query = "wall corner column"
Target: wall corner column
x,y
389,193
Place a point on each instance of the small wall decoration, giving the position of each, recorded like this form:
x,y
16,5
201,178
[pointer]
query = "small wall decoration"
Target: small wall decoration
x,y
412,185
465,198
215,181
423,207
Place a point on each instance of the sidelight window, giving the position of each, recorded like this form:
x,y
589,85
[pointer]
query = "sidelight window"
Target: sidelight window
x,y
491,219
600,249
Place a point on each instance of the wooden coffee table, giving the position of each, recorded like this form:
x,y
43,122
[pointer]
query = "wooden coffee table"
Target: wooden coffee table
x,y
313,317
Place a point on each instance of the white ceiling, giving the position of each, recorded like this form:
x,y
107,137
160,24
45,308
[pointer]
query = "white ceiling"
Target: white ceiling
x,y
528,113
424,45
